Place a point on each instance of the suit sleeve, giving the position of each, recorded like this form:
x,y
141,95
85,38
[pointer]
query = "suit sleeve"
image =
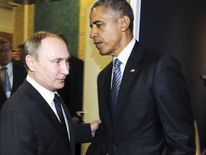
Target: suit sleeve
x,y
16,135
82,133
173,103
98,145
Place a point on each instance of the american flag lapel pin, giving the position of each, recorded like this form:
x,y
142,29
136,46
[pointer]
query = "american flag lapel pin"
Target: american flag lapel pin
x,y
132,70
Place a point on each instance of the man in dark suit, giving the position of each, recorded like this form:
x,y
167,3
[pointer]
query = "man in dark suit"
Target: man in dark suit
x,y
15,69
35,120
149,112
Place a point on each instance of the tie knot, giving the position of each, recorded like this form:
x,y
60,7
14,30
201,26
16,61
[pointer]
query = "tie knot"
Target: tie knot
x,y
56,99
3,68
117,63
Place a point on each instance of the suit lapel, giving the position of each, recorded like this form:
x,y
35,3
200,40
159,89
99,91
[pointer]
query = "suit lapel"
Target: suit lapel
x,y
107,86
16,76
130,73
14,79
45,109
70,125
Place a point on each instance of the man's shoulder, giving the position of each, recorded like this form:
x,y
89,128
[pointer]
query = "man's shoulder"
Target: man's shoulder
x,y
18,63
105,72
21,98
19,68
153,55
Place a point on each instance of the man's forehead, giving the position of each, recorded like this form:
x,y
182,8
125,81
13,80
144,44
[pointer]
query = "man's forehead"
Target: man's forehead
x,y
53,43
48,39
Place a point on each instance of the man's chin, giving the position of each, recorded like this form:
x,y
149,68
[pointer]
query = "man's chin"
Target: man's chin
x,y
102,53
60,86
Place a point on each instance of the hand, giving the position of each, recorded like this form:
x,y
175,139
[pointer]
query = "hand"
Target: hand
x,y
94,126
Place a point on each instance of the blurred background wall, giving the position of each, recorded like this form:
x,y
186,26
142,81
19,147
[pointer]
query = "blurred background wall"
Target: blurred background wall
x,y
61,17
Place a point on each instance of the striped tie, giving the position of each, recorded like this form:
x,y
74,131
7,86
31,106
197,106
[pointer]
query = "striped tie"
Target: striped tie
x,y
116,81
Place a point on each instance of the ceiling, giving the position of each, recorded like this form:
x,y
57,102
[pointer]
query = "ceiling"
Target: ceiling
x,y
12,3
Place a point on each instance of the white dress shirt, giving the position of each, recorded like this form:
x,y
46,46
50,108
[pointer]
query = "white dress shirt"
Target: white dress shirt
x,y
9,70
123,57
48,97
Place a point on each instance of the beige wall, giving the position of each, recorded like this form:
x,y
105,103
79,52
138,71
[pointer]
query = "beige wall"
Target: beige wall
x,y
18,21
6,22
23,17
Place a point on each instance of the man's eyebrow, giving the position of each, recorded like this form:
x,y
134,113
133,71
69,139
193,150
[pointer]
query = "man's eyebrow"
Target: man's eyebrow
x,y
61,58
96,22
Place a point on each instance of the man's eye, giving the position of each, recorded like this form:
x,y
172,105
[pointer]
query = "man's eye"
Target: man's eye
x,y
99,25
57,61
68,61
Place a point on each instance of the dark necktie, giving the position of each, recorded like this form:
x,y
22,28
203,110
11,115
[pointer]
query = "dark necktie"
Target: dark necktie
x,y
57,102
116,81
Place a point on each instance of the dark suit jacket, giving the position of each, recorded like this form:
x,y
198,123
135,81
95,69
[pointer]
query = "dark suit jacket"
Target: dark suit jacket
x,y
153,114
19,74
28,126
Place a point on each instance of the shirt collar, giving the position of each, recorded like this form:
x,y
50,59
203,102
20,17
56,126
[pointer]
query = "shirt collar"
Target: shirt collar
x,y
125,53
9,67
45,93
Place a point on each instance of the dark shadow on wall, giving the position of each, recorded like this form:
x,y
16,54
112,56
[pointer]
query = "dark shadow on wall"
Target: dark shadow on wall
x,y
179,28
198,90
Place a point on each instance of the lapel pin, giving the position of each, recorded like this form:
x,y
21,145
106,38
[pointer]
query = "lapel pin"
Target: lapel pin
x,y
132,70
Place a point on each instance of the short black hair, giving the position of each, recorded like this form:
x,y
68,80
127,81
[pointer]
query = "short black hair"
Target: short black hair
x,y
120,6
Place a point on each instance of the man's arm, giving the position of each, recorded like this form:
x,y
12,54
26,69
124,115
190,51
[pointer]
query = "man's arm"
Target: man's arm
x,y
98,144
16,137
85,132
174,109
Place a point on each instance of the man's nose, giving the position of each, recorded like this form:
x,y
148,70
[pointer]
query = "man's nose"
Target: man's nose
x,y
65,68
93,33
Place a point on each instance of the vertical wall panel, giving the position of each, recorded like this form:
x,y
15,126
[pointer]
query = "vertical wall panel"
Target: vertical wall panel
x,y
60,17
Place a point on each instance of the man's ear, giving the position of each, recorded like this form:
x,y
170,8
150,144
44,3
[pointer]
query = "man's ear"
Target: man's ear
x,y
30,62
124,23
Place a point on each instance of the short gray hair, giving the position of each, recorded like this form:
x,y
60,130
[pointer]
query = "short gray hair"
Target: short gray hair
x,y
34,42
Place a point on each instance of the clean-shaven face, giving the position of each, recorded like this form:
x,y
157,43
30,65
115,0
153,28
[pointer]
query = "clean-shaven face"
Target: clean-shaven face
x,y
52,64
105,31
